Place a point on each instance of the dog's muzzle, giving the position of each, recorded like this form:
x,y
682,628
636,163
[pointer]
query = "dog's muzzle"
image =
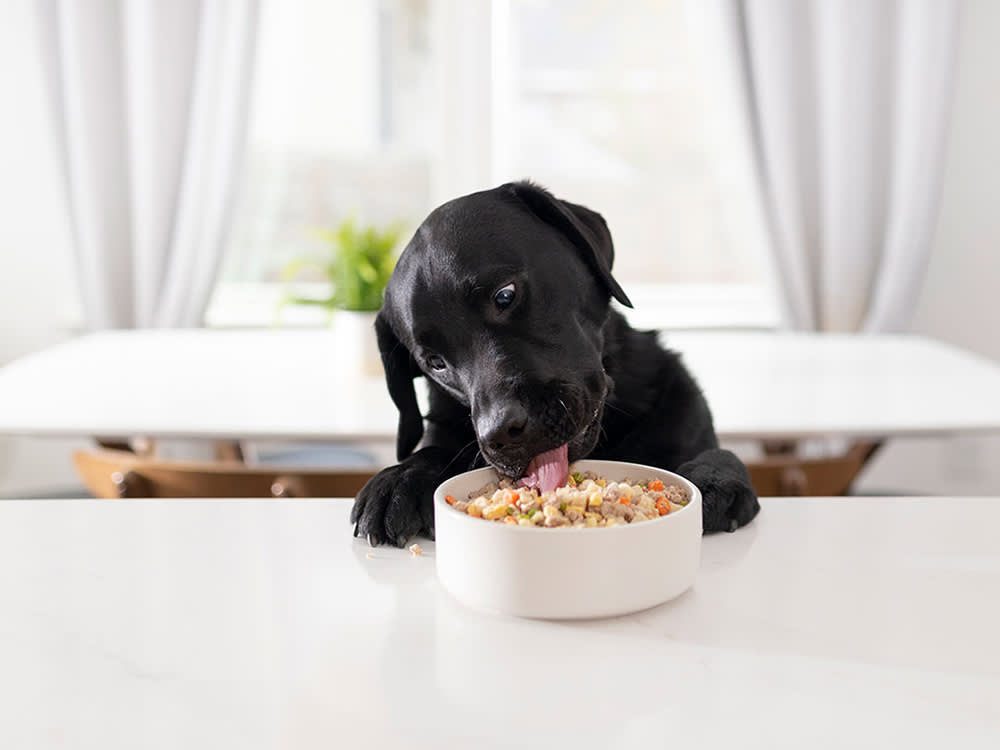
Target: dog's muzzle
x,y
511,438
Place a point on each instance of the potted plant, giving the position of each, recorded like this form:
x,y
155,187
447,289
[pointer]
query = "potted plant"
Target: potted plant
x,y
360,261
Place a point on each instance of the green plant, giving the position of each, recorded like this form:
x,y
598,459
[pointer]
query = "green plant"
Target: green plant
x,y
358,268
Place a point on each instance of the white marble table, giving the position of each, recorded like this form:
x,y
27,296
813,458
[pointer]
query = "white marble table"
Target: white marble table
x,y
827,623
294,384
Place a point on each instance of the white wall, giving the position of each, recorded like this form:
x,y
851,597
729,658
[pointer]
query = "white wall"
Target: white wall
x,y
959,303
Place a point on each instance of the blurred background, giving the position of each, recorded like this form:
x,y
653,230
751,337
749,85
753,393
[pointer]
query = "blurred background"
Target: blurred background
x,y
379,110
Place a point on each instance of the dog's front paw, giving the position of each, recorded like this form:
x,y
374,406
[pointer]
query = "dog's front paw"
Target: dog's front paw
x,y
728,498
395,505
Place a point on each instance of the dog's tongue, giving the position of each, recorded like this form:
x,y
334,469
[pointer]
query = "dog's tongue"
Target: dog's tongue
x,y
548,470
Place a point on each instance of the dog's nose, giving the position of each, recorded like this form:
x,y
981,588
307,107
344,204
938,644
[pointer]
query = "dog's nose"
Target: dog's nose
x,y
506,426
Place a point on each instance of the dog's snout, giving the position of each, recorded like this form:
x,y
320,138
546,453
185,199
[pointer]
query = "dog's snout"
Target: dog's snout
x,y
506,426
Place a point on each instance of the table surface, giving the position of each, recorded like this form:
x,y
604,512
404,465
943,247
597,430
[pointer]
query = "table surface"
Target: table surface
x,y
293,384
858,622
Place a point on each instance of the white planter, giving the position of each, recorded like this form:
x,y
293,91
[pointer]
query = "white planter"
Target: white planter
x,y
355,340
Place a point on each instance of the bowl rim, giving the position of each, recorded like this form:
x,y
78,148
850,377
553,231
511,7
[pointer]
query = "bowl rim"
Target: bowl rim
x,y
622,528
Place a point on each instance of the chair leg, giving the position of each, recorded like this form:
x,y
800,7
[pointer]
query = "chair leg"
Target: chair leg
x,y
783,473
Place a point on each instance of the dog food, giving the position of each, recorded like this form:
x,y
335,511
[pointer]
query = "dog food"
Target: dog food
x,y
585,501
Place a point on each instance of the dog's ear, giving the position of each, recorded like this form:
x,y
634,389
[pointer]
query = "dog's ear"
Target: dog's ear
x,y
586,229
400,370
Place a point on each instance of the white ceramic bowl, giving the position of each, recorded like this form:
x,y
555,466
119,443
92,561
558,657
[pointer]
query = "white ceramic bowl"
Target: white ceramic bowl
x,y
566,572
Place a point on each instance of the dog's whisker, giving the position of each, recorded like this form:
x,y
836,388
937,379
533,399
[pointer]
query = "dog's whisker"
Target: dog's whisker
x,y
609,405
458,454
565,408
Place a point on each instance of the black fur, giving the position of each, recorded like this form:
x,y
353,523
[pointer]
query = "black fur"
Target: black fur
x,y
556,366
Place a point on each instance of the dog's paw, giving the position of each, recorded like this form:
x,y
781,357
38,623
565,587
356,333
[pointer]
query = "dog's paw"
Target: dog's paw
x,y
728,498
395,505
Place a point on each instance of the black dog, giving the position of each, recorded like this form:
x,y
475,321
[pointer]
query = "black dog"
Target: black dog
x,y
502,301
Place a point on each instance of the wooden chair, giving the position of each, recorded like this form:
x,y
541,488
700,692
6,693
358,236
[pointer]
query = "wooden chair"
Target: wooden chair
x,y
784,474
113,473
123,474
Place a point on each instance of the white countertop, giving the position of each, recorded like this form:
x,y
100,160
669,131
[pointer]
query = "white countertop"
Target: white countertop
x,y
295,384
849,622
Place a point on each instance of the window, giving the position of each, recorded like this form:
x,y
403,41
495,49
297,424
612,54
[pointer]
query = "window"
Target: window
x,y
604,104
338,127
382,109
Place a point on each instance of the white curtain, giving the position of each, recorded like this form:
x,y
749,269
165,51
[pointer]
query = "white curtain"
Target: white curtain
x,y
150,100
843,107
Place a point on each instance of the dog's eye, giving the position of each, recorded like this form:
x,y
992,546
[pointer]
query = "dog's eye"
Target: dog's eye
x,y
505,297
436,362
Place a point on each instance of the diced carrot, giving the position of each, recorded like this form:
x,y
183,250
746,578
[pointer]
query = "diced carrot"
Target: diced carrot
x,y
656,485
449,499
625,500
662,507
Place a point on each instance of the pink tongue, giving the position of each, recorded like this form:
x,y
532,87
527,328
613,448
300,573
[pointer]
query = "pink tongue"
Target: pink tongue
x,y
547,470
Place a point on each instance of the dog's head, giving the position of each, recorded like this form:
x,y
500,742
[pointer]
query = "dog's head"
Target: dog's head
x,y
500,299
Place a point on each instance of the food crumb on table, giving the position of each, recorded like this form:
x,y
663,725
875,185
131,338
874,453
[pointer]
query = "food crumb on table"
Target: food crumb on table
x,y
369,555
415,549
